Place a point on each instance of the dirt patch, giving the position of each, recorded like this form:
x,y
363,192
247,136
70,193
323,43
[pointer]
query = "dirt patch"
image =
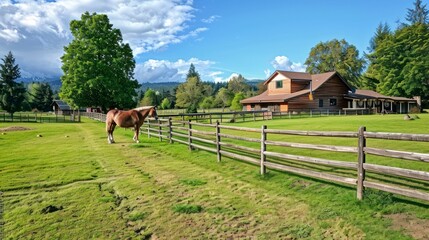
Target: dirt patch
x,y
14,128
417,228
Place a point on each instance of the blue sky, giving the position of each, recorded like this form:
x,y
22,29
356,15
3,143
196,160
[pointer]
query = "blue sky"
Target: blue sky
x,y
221,38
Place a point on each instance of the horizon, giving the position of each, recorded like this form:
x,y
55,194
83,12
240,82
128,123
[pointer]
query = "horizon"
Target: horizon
x,y
222,39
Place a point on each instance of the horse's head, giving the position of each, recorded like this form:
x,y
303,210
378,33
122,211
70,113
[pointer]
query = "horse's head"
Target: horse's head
x,y
152,113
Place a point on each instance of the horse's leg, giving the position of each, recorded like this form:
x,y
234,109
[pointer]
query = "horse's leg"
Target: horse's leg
x,y
108,130
136,133
112,128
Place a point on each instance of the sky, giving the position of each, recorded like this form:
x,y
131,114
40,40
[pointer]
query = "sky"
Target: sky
x,y
222,38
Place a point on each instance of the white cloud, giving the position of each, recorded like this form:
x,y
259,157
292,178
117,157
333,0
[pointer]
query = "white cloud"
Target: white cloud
x,y
283,63
210,19
167,71
37,31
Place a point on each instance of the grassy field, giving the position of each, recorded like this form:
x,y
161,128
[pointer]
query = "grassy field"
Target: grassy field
x,y
63,181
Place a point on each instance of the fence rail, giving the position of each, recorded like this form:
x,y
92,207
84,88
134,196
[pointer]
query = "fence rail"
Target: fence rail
x,y
209,137
38,117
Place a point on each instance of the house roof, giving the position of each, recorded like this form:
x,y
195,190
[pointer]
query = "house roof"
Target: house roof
x,y
61,104
369,94
316,80
290,75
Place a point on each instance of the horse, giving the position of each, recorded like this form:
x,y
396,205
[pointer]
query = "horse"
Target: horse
x,y
133,118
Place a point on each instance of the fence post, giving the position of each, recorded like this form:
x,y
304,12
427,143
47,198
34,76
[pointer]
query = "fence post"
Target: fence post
x,y
170,130
148,128
361,161
254,118
160,130
263,149
189,135
218,141
210,118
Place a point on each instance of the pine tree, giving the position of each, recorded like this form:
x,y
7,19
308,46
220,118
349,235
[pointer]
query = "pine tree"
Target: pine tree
x,y
419,14
12,94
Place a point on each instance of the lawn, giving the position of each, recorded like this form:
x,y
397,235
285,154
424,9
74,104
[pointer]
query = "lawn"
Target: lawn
x,y
63,181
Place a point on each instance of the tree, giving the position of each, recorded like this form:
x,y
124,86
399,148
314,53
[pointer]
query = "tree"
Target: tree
x,y
419,14
150,98
262,87
235,104
337,56
98,67
192,72
207,103
369,79
12,94
400,63
190,93
165,104
238,84
224,98
40,96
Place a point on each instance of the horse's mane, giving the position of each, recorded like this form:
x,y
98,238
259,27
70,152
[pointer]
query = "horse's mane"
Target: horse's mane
x,y
143,108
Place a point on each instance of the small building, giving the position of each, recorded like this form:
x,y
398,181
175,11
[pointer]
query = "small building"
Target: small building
x,y
299,91
61,108
94,109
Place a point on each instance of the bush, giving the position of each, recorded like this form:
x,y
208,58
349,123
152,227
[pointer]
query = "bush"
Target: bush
x,y
193,108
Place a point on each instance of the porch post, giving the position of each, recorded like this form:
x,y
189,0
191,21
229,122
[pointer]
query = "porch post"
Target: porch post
x,y
400,107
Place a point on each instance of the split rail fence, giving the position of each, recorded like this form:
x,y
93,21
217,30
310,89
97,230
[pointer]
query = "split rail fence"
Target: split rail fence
x,y
255,146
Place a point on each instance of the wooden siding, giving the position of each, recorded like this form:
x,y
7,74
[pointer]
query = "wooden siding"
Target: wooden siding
x,y
299,85
333,88
272,90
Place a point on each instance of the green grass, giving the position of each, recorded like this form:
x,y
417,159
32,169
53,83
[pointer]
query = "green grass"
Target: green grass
x,y
136,191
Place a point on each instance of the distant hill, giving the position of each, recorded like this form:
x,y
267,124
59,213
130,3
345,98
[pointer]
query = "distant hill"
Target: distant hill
x,y
55,82
161,86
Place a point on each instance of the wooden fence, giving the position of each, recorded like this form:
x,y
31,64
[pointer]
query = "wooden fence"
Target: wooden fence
x,y
217,138
38,117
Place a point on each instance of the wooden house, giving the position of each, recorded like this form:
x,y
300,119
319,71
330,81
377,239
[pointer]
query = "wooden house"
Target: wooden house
x,y
61,108
298,91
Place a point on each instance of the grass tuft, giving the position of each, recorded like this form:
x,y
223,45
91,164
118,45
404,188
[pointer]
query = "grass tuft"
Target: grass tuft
x,y
193,182
137,216
187,208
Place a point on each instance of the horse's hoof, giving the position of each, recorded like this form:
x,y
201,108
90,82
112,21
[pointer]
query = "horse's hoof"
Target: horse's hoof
x,y
137,141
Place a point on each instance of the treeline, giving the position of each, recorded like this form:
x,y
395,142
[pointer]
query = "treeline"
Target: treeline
x,y
16,96
195,94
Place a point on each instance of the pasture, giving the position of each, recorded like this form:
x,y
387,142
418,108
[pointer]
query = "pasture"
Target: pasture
x,y
68,183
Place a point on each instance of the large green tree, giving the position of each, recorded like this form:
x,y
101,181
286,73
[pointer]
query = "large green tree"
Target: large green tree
x,y
12,94
370,79
190,93
98,67
336,55
400,63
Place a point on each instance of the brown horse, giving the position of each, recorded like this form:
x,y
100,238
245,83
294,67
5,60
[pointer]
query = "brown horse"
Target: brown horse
x,y
133,118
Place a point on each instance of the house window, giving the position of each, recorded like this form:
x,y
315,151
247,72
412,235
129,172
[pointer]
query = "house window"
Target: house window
x,y
279,84
320,103
332,102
